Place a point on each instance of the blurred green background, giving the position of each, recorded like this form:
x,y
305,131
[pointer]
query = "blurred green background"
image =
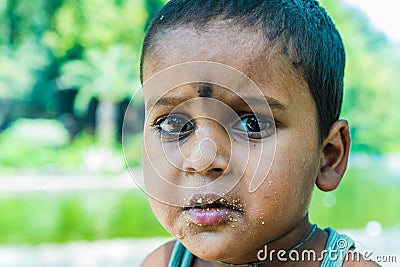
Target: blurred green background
x,y
68,69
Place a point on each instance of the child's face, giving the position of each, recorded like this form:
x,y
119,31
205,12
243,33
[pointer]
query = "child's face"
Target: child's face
x,y
279,206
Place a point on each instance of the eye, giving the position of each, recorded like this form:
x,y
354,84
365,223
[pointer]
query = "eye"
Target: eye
x,y
173,126
255,127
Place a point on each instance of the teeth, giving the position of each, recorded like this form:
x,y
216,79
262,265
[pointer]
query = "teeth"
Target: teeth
x,y
208,203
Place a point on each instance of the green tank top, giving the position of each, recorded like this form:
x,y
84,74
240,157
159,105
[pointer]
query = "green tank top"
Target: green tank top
x,y
337,247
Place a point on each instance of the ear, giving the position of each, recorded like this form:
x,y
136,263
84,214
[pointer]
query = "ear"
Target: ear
x,y
334,158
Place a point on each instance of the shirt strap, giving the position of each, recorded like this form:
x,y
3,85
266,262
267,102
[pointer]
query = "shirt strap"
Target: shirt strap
x,y
336,249
180,257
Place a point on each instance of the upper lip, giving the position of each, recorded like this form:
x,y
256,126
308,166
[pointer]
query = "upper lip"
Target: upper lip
x,y
204,201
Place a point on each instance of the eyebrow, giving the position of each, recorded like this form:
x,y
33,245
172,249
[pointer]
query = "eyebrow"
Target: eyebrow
x,y
165,101
273,103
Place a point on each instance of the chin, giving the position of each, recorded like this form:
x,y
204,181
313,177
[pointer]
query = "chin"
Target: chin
x,y
219,255
208,246
210,254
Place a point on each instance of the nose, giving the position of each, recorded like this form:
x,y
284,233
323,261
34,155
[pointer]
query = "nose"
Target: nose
x,y
207,151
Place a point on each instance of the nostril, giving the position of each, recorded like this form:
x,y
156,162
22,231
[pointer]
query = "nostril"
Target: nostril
x,y
218,170
215,173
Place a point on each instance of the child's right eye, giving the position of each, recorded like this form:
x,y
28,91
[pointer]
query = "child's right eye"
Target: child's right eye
x,y
255,127
174,126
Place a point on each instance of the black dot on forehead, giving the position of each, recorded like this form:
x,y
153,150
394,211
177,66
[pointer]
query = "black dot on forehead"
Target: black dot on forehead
x,y
205,90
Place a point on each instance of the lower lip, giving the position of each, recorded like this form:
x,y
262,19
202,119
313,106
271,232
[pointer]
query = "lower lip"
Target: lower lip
x,y
208,216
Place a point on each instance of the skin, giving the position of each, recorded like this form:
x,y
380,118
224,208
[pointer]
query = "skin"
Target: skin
x,y
276,214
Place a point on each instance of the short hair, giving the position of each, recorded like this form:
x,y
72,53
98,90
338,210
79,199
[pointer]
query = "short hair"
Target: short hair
x,y
302,28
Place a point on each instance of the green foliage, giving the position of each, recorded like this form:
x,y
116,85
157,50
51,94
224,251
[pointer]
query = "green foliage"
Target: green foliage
x,y
371,101
24,19
43,145
98,44
19,69
152,7
109,76
96,24
25,71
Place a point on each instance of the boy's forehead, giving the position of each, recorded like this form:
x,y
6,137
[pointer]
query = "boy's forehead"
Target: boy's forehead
x,y
230,46
241,49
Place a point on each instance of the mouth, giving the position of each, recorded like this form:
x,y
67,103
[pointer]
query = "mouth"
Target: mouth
x,y
208,209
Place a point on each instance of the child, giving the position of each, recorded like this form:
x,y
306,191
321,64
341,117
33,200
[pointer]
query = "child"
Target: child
x,y
242,120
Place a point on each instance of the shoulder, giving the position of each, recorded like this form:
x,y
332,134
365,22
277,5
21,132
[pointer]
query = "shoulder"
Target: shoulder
x,y
356,260
160,256
353,257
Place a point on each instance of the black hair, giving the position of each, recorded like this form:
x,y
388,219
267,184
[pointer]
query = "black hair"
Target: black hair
x,y
302,28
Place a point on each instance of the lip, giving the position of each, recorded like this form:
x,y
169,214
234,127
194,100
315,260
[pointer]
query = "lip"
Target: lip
x,y
209,216
209,209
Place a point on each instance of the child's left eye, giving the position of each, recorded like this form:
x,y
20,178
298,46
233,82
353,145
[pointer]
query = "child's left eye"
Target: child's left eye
x,y
256,127
174,126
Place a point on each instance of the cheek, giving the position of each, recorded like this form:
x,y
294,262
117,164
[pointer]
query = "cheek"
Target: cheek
x,y
159,211
160,159
156,166
286,191
294,171
165,214
160,175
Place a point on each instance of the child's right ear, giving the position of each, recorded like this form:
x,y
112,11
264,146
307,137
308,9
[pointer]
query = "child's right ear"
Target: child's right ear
x,y
334,158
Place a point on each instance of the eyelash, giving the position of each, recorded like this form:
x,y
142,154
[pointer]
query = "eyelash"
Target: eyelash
x,y
187,121
260,122
172,135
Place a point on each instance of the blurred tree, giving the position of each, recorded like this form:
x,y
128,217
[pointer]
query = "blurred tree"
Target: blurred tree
x,y
11,15
108,76
98,42
21,19
24,72
19,68
96,24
